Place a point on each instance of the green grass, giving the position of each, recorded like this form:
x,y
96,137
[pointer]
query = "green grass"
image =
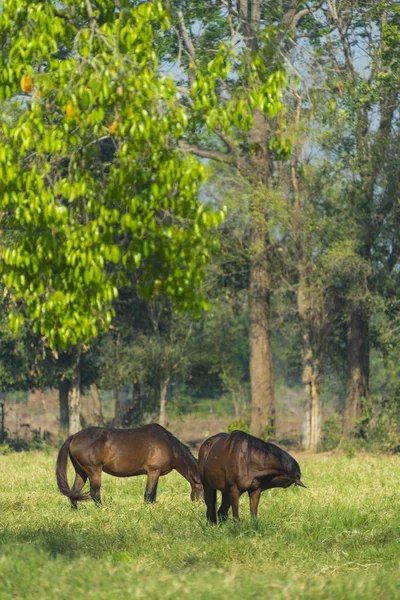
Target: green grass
x,y
337,539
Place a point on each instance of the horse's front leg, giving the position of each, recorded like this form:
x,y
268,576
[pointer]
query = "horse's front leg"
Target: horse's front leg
x,y
254,500
150,493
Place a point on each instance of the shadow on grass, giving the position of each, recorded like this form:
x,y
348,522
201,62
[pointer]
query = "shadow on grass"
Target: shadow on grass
x,y
130,542
181,537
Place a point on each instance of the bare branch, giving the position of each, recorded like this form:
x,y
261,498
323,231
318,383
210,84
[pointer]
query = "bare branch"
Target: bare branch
x,y
183,34
302,13
207,153
336,18
288,18
228,143
186,37
89,10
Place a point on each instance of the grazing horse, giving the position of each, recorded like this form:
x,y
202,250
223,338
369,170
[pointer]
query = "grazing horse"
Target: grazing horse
x,y
149,450
236,463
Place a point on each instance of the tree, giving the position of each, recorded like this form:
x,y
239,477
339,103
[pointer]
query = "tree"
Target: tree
x,y
238,130
16,356
313,236
219,349
146,347
91,180
359,50
59,370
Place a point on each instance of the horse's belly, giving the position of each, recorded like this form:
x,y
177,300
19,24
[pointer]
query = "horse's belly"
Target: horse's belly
x,y
121,471
120,468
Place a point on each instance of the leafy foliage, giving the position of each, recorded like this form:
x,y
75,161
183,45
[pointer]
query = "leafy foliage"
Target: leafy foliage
x,y
92,185
238,424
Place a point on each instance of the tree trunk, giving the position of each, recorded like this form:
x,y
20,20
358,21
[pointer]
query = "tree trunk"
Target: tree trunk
x,y
74,394
97,412
313,416
261,368
136,408
311,369
63,390
357,386
132,416
163,401
239,402
2,421
315,412
117,409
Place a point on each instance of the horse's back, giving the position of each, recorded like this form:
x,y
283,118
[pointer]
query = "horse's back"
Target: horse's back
x,y
224,460
87,438
152,433
124,452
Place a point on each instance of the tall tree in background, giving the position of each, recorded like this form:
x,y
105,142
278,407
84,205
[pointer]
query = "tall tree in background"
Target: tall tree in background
x,y
248,140
356,41
309,291
315,232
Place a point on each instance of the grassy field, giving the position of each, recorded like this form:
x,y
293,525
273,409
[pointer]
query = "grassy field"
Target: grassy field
x,y
340,538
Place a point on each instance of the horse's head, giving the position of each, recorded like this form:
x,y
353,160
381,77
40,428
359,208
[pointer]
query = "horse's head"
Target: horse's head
x,y
197,492
281,469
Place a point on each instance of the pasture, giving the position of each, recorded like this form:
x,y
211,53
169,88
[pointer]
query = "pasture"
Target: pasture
x,y
340,538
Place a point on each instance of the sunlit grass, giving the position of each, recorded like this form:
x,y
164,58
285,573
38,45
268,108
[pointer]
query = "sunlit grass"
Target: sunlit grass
x,y
340,538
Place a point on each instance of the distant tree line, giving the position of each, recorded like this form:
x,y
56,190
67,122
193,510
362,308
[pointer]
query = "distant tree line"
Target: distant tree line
x,y
294,108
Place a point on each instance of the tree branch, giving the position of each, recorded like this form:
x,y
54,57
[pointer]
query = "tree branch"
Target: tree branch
x,y
89,11
207,153
228,143
182,33
186,37
302,13
287,19
337,19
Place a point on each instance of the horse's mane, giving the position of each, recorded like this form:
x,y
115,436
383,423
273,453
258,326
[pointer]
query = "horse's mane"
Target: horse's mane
x,y
186,449
188,458
289,464
178,444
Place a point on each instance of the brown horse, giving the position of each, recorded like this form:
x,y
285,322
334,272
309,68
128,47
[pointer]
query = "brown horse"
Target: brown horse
x,y
236,463
150,450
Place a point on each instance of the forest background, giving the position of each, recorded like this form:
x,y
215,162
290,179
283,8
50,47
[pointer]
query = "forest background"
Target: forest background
x,y
274,299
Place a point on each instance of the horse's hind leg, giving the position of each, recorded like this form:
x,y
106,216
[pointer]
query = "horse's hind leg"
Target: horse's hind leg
x,y
95,484
210,498
225,506
150,493
80,480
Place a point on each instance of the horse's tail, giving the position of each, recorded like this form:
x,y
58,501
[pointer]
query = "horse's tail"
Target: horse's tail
x,y
61,473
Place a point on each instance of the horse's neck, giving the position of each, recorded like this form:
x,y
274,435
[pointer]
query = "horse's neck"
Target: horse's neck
x,y
260,467
186,464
